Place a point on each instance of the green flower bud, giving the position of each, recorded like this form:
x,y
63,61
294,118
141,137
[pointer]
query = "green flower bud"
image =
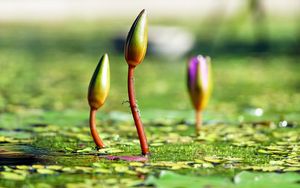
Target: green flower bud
x,y
99,84
137,39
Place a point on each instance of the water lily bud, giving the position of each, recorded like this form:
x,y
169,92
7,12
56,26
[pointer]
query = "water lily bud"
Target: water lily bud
x,y
137,39
99,84
199,81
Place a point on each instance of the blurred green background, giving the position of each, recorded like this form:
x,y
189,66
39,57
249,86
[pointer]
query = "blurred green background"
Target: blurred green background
x,y
46,65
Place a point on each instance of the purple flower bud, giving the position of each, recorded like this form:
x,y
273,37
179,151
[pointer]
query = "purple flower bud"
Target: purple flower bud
x,y
199,81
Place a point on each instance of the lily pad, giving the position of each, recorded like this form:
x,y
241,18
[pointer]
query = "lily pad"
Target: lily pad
x,y
171,179
249,179
109,151
12,176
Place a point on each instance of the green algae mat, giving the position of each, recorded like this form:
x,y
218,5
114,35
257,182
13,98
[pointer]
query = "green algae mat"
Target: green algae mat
x,y
262,154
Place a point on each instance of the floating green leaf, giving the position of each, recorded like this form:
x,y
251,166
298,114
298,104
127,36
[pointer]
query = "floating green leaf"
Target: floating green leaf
x,y
249,179
170,179
12,176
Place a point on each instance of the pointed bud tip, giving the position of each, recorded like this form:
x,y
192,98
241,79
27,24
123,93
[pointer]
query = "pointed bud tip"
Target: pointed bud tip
x,y
144,11
105,57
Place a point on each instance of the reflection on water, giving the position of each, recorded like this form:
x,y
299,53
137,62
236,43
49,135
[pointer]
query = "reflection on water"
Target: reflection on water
x,y
19,154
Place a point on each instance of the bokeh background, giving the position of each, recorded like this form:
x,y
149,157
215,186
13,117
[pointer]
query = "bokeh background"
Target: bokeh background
x,y
49,49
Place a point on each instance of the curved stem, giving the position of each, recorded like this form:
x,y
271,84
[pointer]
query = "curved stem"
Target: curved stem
x,y
93,129
198,123
135,112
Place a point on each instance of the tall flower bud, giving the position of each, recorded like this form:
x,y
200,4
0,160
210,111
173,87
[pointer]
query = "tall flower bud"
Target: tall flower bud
x,y
137,39
199,81
135,50
99,84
